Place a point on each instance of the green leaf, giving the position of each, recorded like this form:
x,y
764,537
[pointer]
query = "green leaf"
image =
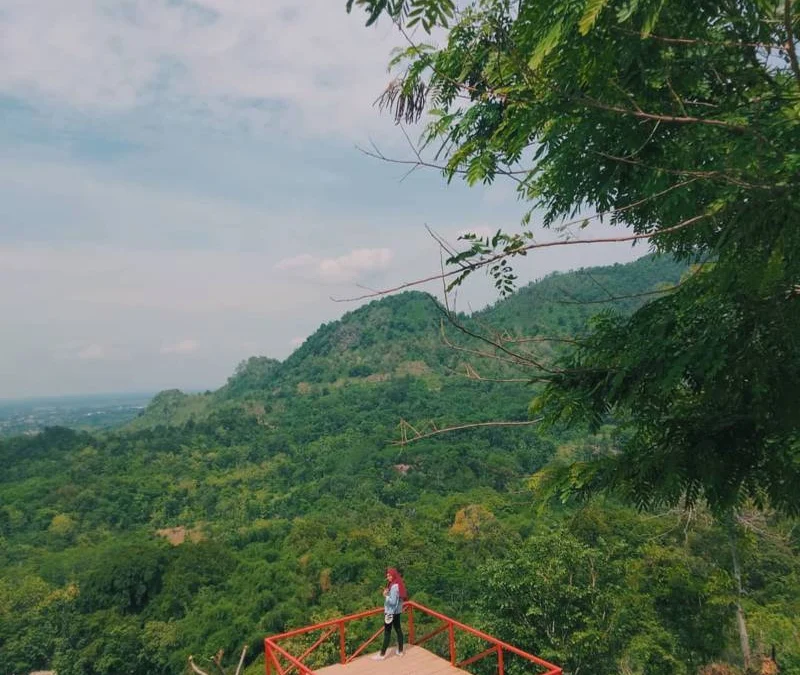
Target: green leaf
x,y
627,11
545,46
590,14
651,20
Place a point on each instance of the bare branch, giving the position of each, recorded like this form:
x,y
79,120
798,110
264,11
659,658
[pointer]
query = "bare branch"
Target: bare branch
x,y
218,661
471,374
674,119
194,667
617,298
643,294
241,661
444,245
513,174
700,41
696,175
790,46
506,338
675,96
522,340
513,357
530,247
755,520
405,440
517,358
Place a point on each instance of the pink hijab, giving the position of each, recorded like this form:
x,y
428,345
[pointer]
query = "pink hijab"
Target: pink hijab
x,y
395,578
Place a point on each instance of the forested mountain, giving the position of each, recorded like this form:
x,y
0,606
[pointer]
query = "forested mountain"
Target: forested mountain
x,y
400,337
215,519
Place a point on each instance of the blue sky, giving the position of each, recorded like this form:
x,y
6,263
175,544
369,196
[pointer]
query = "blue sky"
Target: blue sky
x,y
181,188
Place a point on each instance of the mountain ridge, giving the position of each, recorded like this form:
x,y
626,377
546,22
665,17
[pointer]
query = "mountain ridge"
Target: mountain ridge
x,y
400,336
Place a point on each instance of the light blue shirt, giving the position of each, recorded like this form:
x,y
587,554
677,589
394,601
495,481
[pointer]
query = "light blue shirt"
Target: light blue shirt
x,y
392,603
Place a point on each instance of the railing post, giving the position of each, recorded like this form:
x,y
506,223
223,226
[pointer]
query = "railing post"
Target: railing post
x,y
267,654
501,669
342,651
452,639
411,635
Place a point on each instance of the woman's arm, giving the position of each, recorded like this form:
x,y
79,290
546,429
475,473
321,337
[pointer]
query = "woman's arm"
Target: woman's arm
x,y
394,596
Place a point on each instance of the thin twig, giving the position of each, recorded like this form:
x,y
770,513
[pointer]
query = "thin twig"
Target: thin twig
x,y
416,163
217,660
241,661
790,48
514,358
686,172
673,119
617,298
471,374
530,247
658,291
523,340
460,427
194,667
701,41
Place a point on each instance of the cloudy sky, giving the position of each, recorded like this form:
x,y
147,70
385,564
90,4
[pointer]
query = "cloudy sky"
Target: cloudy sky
x,y
181,188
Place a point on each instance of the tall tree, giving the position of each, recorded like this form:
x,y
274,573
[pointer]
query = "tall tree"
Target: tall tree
x,y
680,122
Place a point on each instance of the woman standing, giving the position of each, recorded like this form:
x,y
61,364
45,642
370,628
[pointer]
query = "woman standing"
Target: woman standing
x,y
393,594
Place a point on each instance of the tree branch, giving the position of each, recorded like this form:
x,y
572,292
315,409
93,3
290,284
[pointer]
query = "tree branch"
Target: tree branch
x,y
674,119
406,441
790,47
241,661
194,667
375,153
513,357
471,374
643,294
701,41
218,661
522,340
713,175
530,247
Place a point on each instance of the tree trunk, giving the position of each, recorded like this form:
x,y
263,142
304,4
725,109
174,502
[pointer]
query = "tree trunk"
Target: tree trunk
x,y
741,624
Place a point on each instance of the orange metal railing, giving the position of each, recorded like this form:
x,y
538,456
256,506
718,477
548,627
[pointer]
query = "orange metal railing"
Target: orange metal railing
x,y
280,661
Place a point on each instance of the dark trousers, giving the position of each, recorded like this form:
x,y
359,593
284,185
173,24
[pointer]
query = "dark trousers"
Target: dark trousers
x,y
387,634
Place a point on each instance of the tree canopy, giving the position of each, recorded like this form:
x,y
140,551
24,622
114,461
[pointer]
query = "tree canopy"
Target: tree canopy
x,y
680,122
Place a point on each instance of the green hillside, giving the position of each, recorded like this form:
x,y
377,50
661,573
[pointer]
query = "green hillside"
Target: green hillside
x,y
279,499
399,337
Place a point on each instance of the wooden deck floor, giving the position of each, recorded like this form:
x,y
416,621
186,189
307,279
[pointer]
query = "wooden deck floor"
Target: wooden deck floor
x,y
415,661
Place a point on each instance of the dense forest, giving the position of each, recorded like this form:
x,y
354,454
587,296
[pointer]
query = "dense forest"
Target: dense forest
x,y
215,519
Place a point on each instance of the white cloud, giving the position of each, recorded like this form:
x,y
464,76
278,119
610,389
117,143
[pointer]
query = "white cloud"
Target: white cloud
x,y
91,351
298,262
349,267
341,269
303,65
181,347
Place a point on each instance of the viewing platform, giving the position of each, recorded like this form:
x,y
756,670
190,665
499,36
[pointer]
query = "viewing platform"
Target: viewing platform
x,y
337,647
